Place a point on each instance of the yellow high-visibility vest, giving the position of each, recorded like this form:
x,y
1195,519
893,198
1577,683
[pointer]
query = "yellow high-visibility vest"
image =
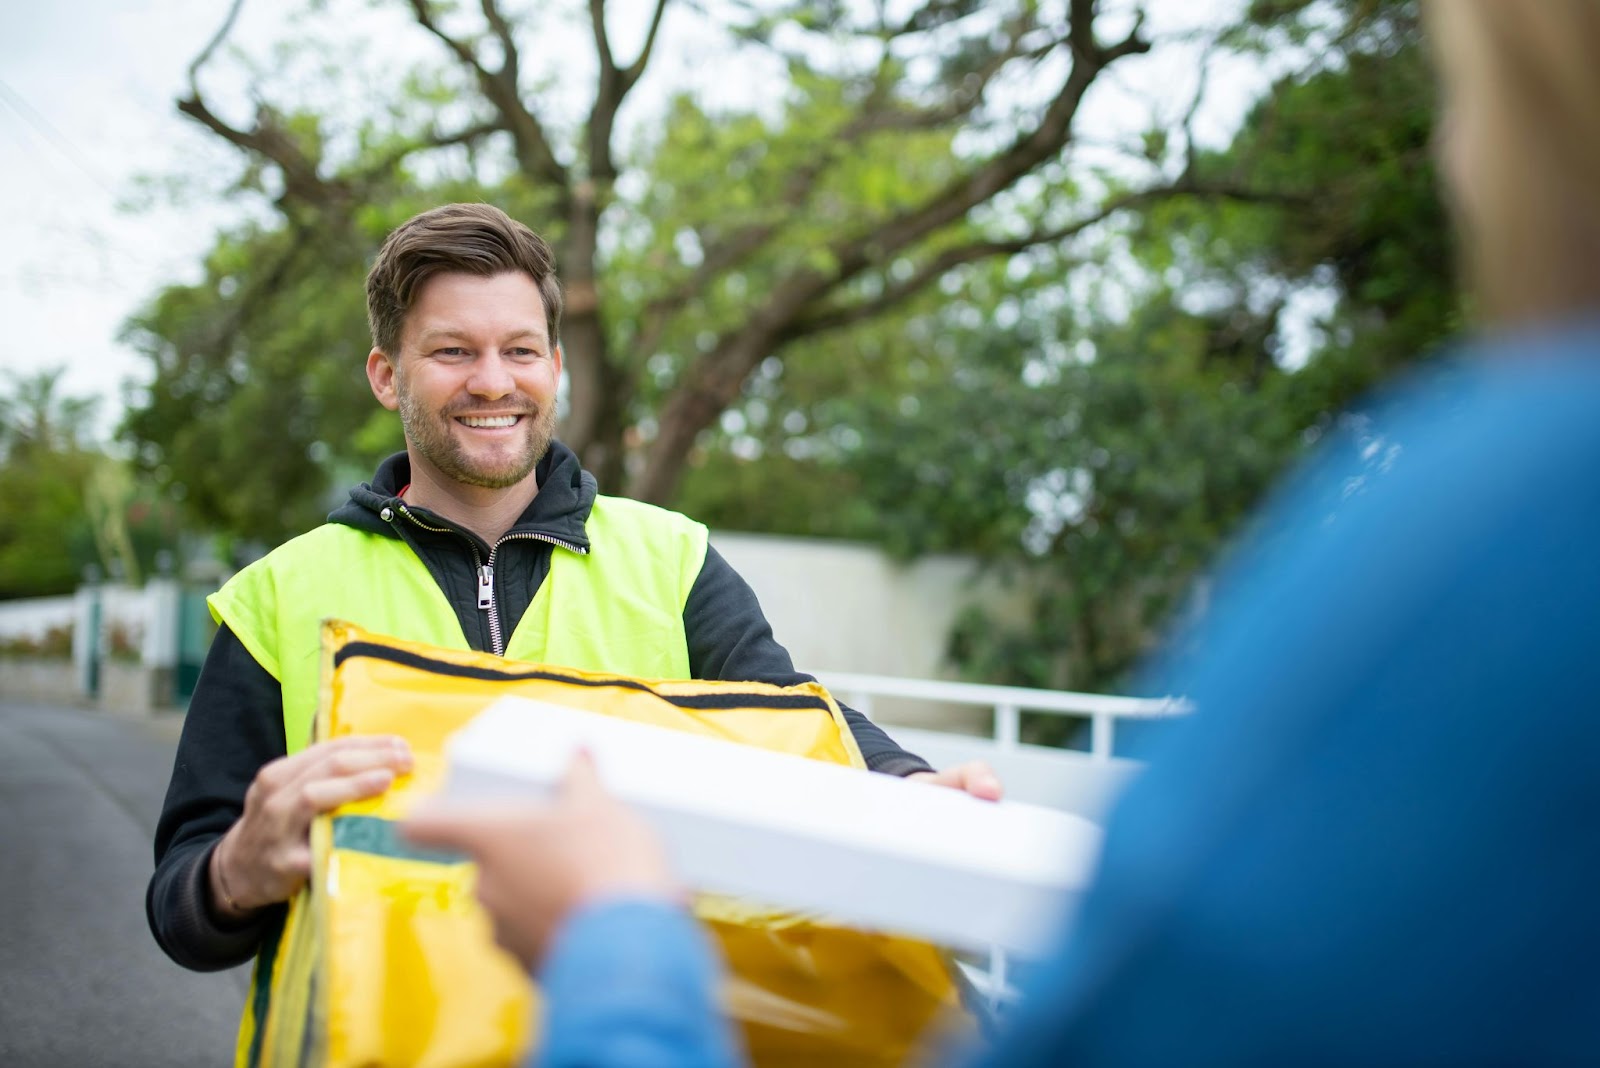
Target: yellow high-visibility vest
x,y
618,608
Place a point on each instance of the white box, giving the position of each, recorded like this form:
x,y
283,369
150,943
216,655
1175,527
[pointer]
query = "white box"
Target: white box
x,y
871,851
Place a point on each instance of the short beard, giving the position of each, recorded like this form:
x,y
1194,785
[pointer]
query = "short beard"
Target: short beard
x,y
435,444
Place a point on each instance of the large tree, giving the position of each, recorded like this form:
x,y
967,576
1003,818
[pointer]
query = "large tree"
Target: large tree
x,y
884,147
1100,437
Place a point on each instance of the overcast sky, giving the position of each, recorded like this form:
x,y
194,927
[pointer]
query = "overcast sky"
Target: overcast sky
x,y
86,102
87,91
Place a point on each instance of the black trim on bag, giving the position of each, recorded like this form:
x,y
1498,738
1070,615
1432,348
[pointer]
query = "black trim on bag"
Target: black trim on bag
x,y
379,651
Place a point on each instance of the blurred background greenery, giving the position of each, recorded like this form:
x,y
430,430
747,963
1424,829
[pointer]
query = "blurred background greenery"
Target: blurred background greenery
x,y
933,279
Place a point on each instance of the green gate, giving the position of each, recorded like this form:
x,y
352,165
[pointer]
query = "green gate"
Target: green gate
x,y
195,630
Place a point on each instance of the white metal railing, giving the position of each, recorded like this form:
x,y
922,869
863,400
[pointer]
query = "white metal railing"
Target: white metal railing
x,y
1015,761
1008,703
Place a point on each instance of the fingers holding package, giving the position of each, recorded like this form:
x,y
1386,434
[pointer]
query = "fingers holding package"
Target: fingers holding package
x,y
266,855
540,861
974,777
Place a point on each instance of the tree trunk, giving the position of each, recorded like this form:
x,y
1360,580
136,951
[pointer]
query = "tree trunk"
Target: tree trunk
x,y
692,408
597,395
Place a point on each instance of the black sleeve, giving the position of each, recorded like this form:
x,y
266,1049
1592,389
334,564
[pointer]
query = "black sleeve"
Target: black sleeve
x,y
730,638
233,726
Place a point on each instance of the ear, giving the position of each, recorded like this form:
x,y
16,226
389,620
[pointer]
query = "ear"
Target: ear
x,y
380,376
558,355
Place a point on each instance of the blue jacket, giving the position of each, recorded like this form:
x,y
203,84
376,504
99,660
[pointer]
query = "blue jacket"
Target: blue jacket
x,y
1378,840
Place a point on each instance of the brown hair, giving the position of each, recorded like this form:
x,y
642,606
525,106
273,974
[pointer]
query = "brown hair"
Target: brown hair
x,y
1524,75
475,239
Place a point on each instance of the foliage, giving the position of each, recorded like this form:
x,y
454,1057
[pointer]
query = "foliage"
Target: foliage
x,y
219,413
700,235
888,300
1201,405
1099,443
69,506
54,644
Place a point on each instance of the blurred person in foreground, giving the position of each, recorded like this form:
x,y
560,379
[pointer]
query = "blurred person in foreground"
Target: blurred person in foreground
x,y
1378,840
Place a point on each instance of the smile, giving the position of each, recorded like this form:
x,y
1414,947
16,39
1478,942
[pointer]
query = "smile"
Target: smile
x,y
489,421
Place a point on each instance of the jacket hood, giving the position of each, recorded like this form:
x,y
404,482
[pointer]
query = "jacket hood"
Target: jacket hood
x,y
559,510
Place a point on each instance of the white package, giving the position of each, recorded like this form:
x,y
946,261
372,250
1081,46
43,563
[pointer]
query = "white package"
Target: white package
x,y
867,850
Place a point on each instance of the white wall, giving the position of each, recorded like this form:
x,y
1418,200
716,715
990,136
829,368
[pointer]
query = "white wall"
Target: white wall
x,y
146,615
33,616
846,606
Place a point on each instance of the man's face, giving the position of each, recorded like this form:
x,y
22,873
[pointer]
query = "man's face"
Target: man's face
x,y
475,378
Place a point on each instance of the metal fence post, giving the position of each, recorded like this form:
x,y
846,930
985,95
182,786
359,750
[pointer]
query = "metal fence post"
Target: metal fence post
x,y
1100,743
1007,725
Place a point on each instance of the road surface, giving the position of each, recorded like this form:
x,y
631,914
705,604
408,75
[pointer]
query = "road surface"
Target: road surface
x,y
81,980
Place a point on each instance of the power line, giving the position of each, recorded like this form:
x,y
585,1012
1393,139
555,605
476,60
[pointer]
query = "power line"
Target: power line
x,y
43,126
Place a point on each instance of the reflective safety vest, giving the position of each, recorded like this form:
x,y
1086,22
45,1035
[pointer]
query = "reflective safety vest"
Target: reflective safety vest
x,y
618,608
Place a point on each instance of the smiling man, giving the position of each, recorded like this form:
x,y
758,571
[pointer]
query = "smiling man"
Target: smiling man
x,y
487,533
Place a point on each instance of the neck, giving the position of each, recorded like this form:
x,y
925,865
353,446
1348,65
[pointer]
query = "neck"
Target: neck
x,y
485,511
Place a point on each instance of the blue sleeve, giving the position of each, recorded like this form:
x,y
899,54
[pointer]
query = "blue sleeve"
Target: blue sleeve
x,y
632,982
1378,840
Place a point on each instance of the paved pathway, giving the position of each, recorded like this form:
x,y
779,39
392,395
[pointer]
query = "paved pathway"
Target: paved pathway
x,y
82,983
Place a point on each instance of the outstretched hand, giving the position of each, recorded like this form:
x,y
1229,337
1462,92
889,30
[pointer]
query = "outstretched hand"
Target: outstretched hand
x,y
539,862
974,777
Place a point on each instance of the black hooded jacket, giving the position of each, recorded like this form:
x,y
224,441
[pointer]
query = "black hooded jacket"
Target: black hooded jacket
x,y
235,719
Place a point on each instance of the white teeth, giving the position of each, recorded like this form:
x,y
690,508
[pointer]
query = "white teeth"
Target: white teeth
x,y
489,421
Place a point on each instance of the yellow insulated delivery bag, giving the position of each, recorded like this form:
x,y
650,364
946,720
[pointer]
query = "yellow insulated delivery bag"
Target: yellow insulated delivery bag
x,y
386,958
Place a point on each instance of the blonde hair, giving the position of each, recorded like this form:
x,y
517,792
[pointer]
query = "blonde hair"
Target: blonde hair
x,y
1525,75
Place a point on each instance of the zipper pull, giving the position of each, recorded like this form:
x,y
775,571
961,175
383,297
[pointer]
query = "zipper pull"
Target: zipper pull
x,y
486,587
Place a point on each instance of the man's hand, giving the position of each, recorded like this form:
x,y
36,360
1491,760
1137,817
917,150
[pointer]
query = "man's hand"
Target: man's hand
x,y
266,856
538,863
975,777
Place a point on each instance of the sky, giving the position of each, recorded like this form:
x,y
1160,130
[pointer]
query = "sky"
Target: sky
x,y
86,104
87,91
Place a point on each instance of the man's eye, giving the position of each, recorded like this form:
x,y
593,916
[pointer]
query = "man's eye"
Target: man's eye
x,y
451,351
524,353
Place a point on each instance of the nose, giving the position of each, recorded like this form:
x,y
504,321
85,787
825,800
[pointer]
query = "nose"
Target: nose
x,y
491,377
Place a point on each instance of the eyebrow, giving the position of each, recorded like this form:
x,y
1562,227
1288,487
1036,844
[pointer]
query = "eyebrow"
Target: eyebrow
x,y
429,337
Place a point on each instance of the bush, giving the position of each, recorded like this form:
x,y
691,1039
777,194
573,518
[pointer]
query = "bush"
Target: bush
x,y
54,644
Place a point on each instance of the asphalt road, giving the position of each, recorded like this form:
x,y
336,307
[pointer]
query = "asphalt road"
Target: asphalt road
x,y
82,983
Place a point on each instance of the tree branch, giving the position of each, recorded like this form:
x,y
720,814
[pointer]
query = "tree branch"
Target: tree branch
x,y
258,293
630,76
831,318
602,40
962,100
269,139
432,139
1189,161
999,172
212,45
534,154
714,379
745,241
1132,44
510,61
735,249
614,86
1080,31
607,100
933,15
